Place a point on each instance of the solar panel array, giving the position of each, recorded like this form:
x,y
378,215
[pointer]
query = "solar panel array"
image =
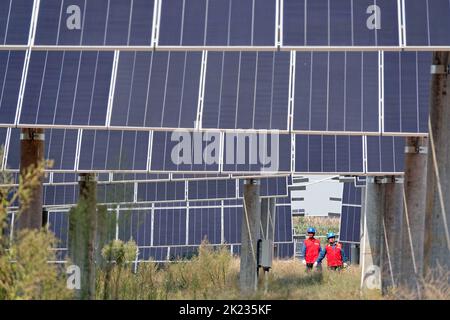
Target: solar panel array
x,y
175,230
149,155
66,195
221,24
303,92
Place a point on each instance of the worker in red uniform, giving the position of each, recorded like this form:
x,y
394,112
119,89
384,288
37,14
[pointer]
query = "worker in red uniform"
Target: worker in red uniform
x,y
334,252
311,250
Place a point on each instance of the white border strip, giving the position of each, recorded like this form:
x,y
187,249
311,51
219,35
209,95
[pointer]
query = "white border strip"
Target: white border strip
x,y
112,88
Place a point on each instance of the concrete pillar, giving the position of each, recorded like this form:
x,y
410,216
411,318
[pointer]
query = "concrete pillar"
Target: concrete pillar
x,y
391,231
251,220
361,226
82,234
437,234
372,236
31,154
413,225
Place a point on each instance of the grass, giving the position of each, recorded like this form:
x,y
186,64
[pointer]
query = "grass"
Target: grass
x,y
214,274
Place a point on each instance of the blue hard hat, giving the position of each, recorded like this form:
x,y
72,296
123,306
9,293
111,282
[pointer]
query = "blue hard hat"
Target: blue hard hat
x,y
311,230
330,235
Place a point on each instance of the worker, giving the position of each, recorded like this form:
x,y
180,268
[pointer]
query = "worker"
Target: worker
x,y
311,250
334,252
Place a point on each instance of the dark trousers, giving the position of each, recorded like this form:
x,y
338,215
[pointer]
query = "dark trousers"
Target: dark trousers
x,y
335,268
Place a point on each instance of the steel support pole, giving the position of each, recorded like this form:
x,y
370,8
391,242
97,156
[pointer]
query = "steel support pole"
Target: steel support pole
x,y
82,234
31,155
437,217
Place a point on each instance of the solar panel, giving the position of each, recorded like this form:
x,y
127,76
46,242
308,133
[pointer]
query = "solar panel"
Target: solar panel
x,y
11,67
211,189
269,187
219,23
174,152
204,223
426,24
158,89
406,91
66,88
263,153
169,227
95,23
15,20
166,191
345,24
114,150
60,146
246,90
385,154
328,154
336,91
350,221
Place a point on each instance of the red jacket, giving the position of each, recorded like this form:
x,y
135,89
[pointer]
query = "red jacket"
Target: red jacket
x,y
334,255
311,250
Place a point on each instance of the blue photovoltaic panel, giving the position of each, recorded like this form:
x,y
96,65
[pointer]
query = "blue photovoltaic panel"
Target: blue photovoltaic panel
x,y
169,227
153,254
58,223
261,153
246,90
60,146
60,195
351,194
204,223
115,193
211,189
232,228
385,154
15,21
136,225
174,151
67,88
427,23
283,224
114,150
350,223
342,24
182,252
217,23
407,81
336,91
161,191
276,186
159,89
333,154
11,66
283,250
101,22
